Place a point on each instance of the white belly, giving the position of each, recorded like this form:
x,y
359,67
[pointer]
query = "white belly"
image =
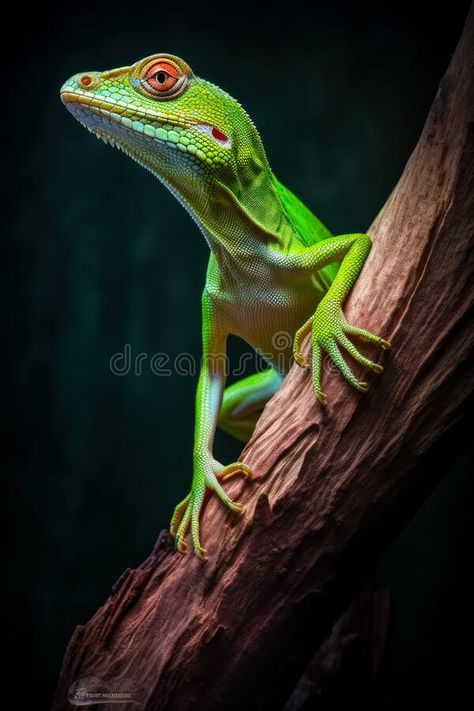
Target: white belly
x,y
268,317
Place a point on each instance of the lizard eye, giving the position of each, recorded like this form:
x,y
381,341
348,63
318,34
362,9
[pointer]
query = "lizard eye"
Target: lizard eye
x,y
163,80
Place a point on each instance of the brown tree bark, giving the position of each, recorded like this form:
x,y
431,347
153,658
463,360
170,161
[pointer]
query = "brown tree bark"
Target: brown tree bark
x,y
332,485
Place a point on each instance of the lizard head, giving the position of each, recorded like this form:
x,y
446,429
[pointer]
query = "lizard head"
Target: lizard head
x,y
195,137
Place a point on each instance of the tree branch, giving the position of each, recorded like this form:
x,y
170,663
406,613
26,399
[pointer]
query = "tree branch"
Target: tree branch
x,y
333,485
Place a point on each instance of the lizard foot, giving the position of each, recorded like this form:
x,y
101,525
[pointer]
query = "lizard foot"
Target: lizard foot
x,y
329,332
207,478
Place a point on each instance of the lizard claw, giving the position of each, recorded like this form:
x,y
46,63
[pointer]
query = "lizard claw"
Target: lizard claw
x,y
235,468
301,360
181,546
200,552
237,507
187,512
384,345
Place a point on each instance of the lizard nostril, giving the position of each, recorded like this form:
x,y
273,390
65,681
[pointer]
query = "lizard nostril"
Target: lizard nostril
x,y
85,80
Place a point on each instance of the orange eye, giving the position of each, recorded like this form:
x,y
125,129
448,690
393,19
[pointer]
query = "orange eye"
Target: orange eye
x,y
162,79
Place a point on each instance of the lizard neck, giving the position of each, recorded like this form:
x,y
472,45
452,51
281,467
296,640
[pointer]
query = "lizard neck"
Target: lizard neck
x,y
238,225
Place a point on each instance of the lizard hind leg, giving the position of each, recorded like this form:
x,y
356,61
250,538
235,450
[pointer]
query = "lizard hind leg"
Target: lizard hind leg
x,y
243,402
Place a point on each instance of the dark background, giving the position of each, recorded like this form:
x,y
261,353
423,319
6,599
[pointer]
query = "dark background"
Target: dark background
x,y
98,255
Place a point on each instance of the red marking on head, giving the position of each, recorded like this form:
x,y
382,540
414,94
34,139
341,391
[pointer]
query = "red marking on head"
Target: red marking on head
x,y
218,134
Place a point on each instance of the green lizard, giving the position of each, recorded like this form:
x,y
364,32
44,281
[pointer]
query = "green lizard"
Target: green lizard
x,y
273,267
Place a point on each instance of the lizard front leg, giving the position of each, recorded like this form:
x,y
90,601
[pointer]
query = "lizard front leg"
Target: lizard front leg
x,y
329,328
208,473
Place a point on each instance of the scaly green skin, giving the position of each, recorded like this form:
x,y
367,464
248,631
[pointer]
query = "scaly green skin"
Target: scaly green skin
x,y
272,268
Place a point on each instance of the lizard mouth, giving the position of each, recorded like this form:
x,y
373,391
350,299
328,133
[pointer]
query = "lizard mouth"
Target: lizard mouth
x,y
102,116
132,129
